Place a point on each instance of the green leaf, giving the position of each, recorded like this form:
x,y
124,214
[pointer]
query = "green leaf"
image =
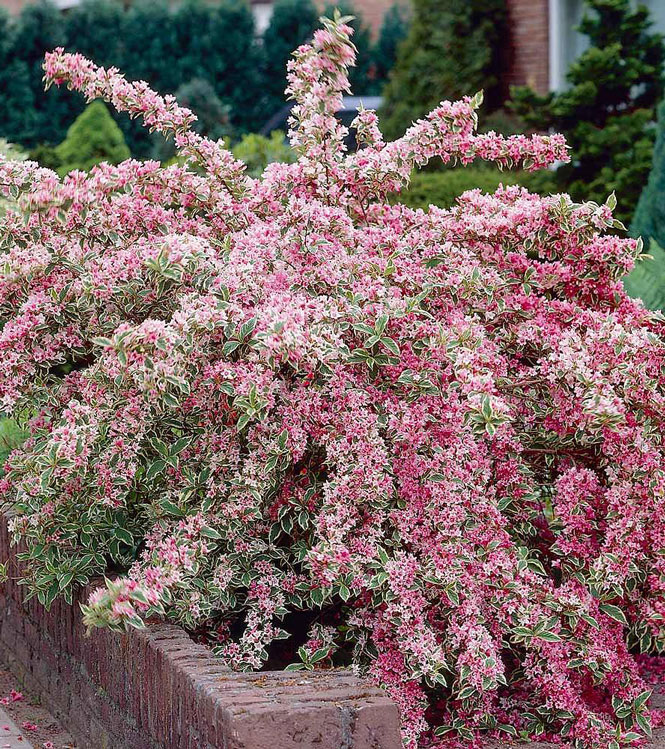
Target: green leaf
x,y
171,508
248,328
180,445
391,346
243,421
65,580
124,535
319,655
549,637
381,323
642,698
155,469
208,532
644,723
229,347
614,612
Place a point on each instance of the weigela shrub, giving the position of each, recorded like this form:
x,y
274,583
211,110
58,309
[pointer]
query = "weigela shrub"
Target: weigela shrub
x,y
435,437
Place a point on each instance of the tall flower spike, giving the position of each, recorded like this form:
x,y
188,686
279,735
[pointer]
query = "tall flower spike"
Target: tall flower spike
x,y
317,80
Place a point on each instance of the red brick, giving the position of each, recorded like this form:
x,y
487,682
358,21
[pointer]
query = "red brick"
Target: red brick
x,y
528,44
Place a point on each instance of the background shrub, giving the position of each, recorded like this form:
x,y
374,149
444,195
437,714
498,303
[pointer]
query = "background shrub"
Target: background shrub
x,y
649,219
257,151
442,187
393,31
647,280
92,138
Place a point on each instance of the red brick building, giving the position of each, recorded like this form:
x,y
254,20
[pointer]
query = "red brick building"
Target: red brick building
x,y
543,40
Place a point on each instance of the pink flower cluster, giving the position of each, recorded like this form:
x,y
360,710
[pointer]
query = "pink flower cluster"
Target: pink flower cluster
x,y
434,436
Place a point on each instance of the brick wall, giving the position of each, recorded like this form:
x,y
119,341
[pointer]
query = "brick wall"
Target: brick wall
x,y
13,6
156,689
528,45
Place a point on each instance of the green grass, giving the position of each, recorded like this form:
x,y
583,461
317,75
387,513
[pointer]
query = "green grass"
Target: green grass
x,y
11,436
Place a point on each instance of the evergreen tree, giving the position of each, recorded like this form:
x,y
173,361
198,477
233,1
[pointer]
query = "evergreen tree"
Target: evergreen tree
x,y
217,42
92,138
394,29
607,111
453,48
95,28
17,103
150,51
649,219
212,114
292,24
39,28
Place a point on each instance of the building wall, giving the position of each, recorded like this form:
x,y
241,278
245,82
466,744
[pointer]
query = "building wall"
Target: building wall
x,y
373,11
528,45
13,6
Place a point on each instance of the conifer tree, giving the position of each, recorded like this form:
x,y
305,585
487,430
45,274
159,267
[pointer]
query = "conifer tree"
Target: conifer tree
x,y
39,28
649,219
394,28
453,48
93,137
292,24
608,108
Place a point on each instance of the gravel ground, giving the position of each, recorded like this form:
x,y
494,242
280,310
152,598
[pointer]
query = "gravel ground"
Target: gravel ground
x,y
36,726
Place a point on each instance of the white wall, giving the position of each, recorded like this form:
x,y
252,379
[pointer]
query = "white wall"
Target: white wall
x,y
566,44
262,12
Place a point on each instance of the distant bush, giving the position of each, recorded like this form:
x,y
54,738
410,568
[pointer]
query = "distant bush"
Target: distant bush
x,y
453,47
649,218
257,151
394,29
444,187
11,151
11,436
92,138
167,45
213,116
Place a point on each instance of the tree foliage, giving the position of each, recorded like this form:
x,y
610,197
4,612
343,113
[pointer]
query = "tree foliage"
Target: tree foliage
x,y
257,151
164,44
453,47
649,219
647,279
393,31
608,108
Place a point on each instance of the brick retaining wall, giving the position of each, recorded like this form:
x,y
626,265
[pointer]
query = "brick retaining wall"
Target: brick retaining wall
x,y
156,688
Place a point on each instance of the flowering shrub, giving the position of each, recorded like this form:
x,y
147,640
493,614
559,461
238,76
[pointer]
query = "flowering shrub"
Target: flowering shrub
x,y
435,436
